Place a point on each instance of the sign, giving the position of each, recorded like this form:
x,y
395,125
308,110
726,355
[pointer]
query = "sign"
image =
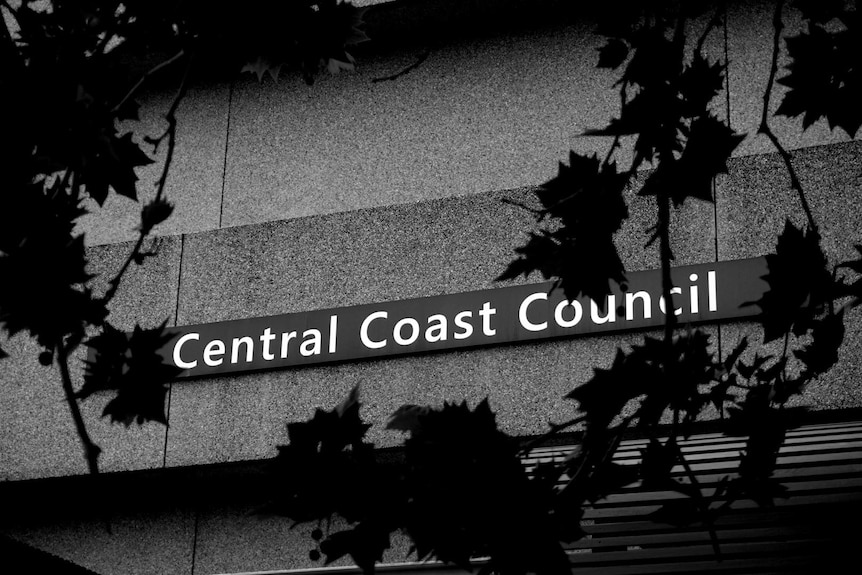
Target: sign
x,y
701,293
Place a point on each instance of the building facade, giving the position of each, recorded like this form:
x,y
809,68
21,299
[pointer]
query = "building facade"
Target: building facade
x,y
358,190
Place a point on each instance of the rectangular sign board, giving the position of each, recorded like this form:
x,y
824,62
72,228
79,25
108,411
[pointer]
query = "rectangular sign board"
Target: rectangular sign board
x,y
702,293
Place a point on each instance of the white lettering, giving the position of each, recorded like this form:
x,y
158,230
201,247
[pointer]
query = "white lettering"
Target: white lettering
x,y
439,327
522,312
713,300
333,330
466,326
265,339
486,312
662,306
285,341
313,336
414,331
610,316
249,349
630,304
694,303
558,313
363,330
213,349
178,361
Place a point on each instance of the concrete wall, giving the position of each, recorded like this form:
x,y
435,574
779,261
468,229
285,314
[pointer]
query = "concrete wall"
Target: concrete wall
x,y
293,198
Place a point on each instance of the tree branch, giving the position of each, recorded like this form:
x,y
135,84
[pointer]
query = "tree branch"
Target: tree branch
x,y
171,135
154,70
764,128
91,450
422,57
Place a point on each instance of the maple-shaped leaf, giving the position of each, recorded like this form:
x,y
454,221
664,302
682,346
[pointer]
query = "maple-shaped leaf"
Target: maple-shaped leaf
x,y
821,353
709,145
699,83
825,75
605,395
613,54
113,165
106,363
799,282
141,380
406,418
261,67
586,196
335,65
365,544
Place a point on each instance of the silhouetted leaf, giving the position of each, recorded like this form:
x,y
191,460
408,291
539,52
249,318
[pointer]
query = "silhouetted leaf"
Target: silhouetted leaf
x,y
799,282
709,145
657,460
613,54
143,384
586,197
699,83
406,418
825,72
821,353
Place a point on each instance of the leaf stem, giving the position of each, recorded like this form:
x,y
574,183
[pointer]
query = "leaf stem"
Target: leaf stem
x,y
91,450
154,70
778,26
171,134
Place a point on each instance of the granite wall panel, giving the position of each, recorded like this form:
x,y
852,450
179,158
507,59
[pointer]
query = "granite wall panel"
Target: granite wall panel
x,y
365,256
493,114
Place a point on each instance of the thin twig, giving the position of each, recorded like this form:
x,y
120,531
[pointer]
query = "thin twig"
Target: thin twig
x,y
702,504
171,135
422,57
764,128
713,23
91,450
155,69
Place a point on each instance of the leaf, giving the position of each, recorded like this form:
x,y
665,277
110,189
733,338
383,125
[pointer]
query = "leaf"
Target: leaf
x,y
260,67
613,54
821,353
587,198
699,83
113,165
406,418
824,73
709,145
799,282
135,370
335,65
657,461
